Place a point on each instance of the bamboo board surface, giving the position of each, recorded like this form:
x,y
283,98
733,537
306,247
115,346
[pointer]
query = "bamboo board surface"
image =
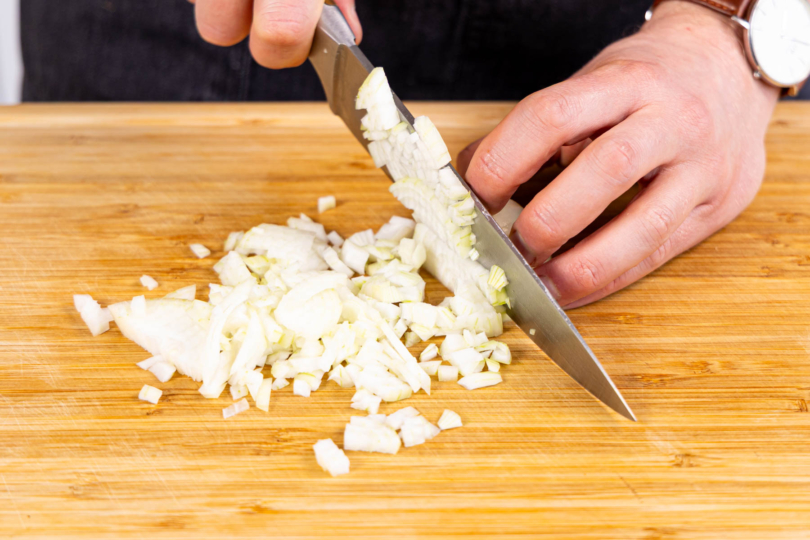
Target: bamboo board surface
x,y
712,352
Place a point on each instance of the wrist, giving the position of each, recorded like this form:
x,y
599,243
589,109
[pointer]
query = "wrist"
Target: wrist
x,y
715,34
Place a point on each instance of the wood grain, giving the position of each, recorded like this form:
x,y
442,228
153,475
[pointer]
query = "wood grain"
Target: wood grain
x,y
712,352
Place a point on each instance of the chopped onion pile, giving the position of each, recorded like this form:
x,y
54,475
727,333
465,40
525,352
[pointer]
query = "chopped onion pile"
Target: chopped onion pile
x,y
297,304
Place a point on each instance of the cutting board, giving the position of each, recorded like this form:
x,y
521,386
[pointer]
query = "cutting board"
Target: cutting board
x,y
712,352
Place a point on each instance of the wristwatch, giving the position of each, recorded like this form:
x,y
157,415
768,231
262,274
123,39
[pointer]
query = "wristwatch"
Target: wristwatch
x,y
776,35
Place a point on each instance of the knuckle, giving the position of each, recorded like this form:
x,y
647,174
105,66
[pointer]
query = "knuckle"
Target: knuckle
x,y
696,118
641,73
548,229
491,169
658,224
548,110
658,257
616,160
587,275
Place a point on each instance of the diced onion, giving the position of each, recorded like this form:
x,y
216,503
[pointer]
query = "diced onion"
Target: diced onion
x,y
96,318
200,250
372,437
432,367
449,420
480,380
335,239
448,373
149,282
326,203
331,458
236,408
429,353
150,394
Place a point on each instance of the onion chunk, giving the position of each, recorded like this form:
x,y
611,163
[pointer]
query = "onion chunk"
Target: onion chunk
x,y
331,458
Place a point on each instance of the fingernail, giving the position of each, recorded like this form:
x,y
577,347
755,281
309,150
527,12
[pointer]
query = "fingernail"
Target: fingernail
x,y
527,253
552,289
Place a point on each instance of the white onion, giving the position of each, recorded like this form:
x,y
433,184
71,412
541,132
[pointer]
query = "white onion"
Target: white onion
x,y
448,373
236,408
480,380
335,239
449,420
372,437
96,318
200,250
149,282
429,353
326,203
331,458
150,394
431,368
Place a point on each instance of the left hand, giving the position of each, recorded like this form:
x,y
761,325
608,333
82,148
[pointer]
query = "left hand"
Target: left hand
x,y
675,105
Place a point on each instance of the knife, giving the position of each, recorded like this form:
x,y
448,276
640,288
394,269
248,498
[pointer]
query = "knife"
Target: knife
x,y
342,68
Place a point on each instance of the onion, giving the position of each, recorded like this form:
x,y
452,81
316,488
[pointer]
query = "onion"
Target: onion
x,y
429,353
331,458
148,282
150,394
96,318
395,420
326,203
480,380
335,239
200,250
448,373
431,368
449,420
371,437
236,408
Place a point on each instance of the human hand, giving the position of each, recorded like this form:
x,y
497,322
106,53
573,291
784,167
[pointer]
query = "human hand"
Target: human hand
x,y
674,106
280,31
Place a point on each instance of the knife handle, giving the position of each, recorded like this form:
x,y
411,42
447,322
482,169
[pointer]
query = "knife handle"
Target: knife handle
x,y
332,35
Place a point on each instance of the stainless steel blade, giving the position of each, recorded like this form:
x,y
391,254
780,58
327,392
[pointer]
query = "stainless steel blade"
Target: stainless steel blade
x,y
343,67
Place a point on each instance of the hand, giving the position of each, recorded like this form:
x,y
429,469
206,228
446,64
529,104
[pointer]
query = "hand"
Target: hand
x,y
280,31
674,106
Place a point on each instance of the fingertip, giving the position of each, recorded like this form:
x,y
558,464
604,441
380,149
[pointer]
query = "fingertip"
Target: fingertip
x,y
282,32
223,23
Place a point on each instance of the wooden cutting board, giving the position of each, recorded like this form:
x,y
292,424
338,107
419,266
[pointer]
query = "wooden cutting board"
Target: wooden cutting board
x,y
712,352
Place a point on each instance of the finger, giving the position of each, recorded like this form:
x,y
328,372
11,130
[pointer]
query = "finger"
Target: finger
x,y
560,115
604,171
692,232
347,7
643,230
465,156
223,22
570,153
282,31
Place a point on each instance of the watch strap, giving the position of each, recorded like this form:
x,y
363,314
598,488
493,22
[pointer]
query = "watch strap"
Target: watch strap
x,y
732,8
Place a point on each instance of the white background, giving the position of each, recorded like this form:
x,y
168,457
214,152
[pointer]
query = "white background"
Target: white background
x,y
10,57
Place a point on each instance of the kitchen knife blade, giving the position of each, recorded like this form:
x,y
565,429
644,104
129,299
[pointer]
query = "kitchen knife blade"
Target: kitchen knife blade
x,y
342,68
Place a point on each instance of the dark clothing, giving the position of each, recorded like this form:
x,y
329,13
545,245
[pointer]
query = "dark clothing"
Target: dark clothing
x,y
149,50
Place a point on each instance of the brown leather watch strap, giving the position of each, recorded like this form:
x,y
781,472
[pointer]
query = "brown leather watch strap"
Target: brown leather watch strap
x,y
728,7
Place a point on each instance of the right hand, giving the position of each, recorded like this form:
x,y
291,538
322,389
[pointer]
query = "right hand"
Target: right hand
x,y
280,31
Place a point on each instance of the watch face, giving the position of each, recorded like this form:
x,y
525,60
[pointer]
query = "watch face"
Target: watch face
x,y
780,40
